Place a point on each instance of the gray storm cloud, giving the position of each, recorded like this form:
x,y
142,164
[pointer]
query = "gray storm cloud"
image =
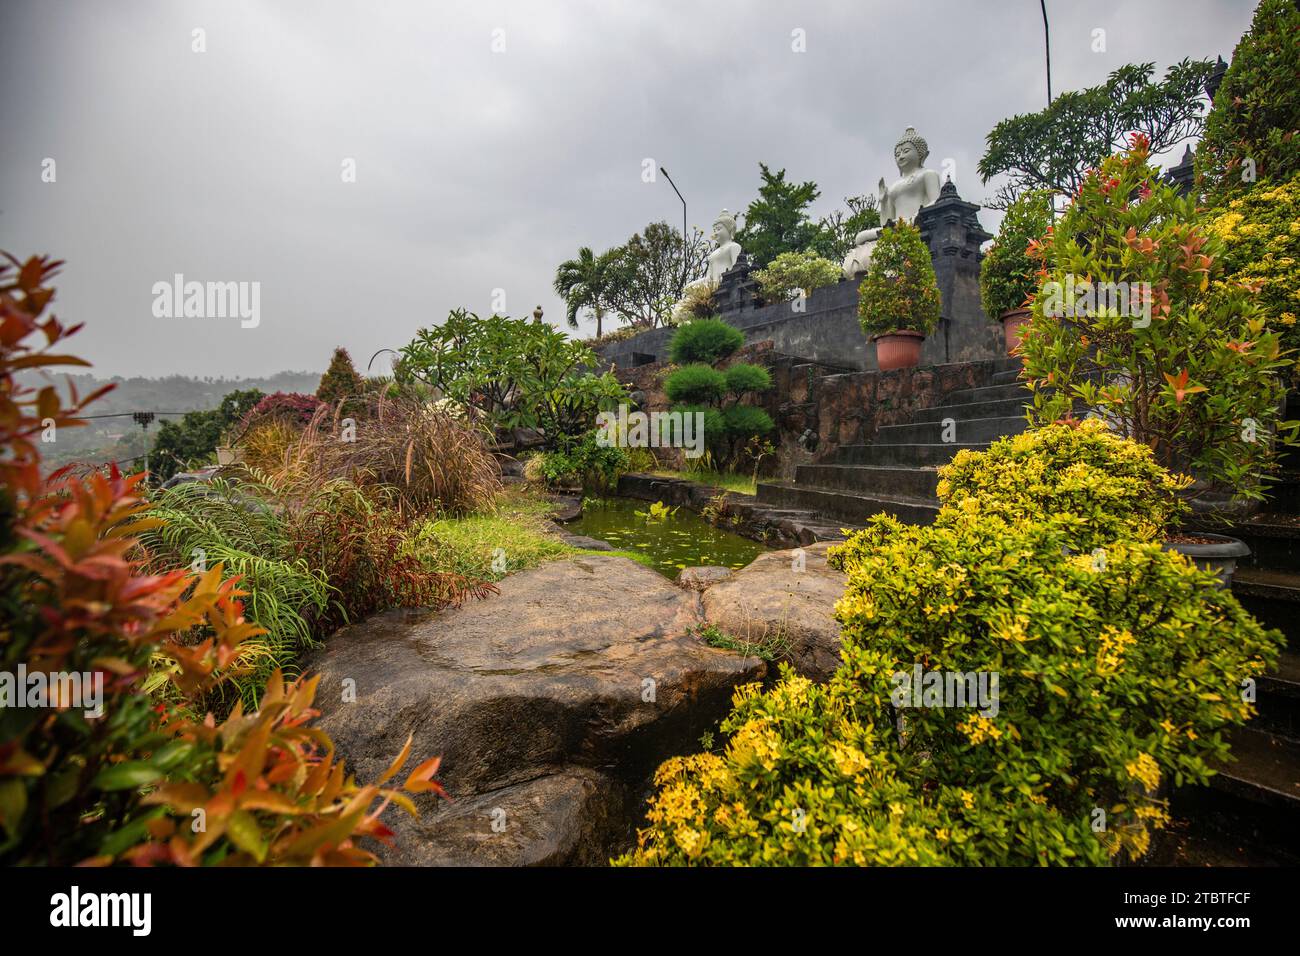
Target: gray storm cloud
x,y
476,169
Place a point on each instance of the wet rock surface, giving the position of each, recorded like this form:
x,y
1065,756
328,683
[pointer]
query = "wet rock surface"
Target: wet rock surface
x,y
701,578
548,701
780,599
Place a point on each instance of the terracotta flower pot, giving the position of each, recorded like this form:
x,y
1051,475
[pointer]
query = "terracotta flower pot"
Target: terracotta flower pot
x,y
898,349
1013,321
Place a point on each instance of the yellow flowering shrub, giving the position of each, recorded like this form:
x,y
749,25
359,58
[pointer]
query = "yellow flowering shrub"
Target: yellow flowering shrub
x,y
1080,477
1115,680
1260,232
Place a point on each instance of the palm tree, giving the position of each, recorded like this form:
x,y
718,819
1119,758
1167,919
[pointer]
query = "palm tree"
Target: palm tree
x,y
582,284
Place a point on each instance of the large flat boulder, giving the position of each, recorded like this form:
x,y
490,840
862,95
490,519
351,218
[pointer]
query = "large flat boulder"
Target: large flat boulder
x,y
781,601
581,664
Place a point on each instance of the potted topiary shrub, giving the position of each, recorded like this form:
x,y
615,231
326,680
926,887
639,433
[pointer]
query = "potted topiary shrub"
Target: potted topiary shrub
x,y
1132,322
898,300
1008,276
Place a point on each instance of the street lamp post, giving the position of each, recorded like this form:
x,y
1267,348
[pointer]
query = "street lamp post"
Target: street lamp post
x,y
1047,46
686,264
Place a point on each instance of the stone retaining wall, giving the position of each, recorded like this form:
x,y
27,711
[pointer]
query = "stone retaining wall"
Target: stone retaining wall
x,y
839,408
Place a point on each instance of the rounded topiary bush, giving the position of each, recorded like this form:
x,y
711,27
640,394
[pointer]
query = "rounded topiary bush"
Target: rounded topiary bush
x,y
1078,477
704,340
712,425
696,385
1111,680
745,421
744,377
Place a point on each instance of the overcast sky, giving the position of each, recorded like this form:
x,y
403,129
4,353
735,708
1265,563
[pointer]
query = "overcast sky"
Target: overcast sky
x,y
476,170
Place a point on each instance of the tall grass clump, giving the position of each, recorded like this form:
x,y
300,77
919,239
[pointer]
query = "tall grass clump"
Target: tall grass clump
x,y
356,536
432,462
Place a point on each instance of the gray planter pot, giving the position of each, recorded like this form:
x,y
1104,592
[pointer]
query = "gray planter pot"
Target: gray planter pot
x,y
1220,556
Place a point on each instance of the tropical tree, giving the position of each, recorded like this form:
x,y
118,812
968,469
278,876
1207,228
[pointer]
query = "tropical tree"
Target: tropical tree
x,y
511,373
778,221
1055,147
1253,131
649,272
194,439
583,283
836,233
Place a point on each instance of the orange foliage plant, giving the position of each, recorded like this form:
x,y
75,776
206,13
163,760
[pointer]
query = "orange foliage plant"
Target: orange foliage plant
x,y
103,758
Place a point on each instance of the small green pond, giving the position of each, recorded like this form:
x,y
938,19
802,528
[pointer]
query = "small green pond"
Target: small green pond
x,y
682,540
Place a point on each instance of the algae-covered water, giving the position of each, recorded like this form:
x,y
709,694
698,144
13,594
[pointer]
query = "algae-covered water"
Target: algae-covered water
x,y
682,540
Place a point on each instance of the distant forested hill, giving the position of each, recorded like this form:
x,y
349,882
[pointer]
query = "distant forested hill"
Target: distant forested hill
x,y
119,438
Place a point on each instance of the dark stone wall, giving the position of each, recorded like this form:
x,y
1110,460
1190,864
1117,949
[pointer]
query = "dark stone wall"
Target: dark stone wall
x,y
826,330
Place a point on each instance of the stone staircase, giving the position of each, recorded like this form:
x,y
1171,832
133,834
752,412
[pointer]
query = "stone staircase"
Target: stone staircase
x,y
1254,800
897,473
1250,812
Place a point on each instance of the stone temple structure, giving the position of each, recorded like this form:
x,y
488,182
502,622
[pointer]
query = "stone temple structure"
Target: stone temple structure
x,y
824,328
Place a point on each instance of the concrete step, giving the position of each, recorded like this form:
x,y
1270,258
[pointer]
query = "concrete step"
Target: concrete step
x,y
1272,596
968,431
889,480
1284,494
989,393
840,505
1265,771
1008,376
1006,408
1258,835
1278,702
1201,840
1267,583
913,455
1274,541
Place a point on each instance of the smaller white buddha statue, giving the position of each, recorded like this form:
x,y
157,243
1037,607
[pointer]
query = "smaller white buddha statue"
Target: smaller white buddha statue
x,y
855,263
725,248
726,252
915,187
